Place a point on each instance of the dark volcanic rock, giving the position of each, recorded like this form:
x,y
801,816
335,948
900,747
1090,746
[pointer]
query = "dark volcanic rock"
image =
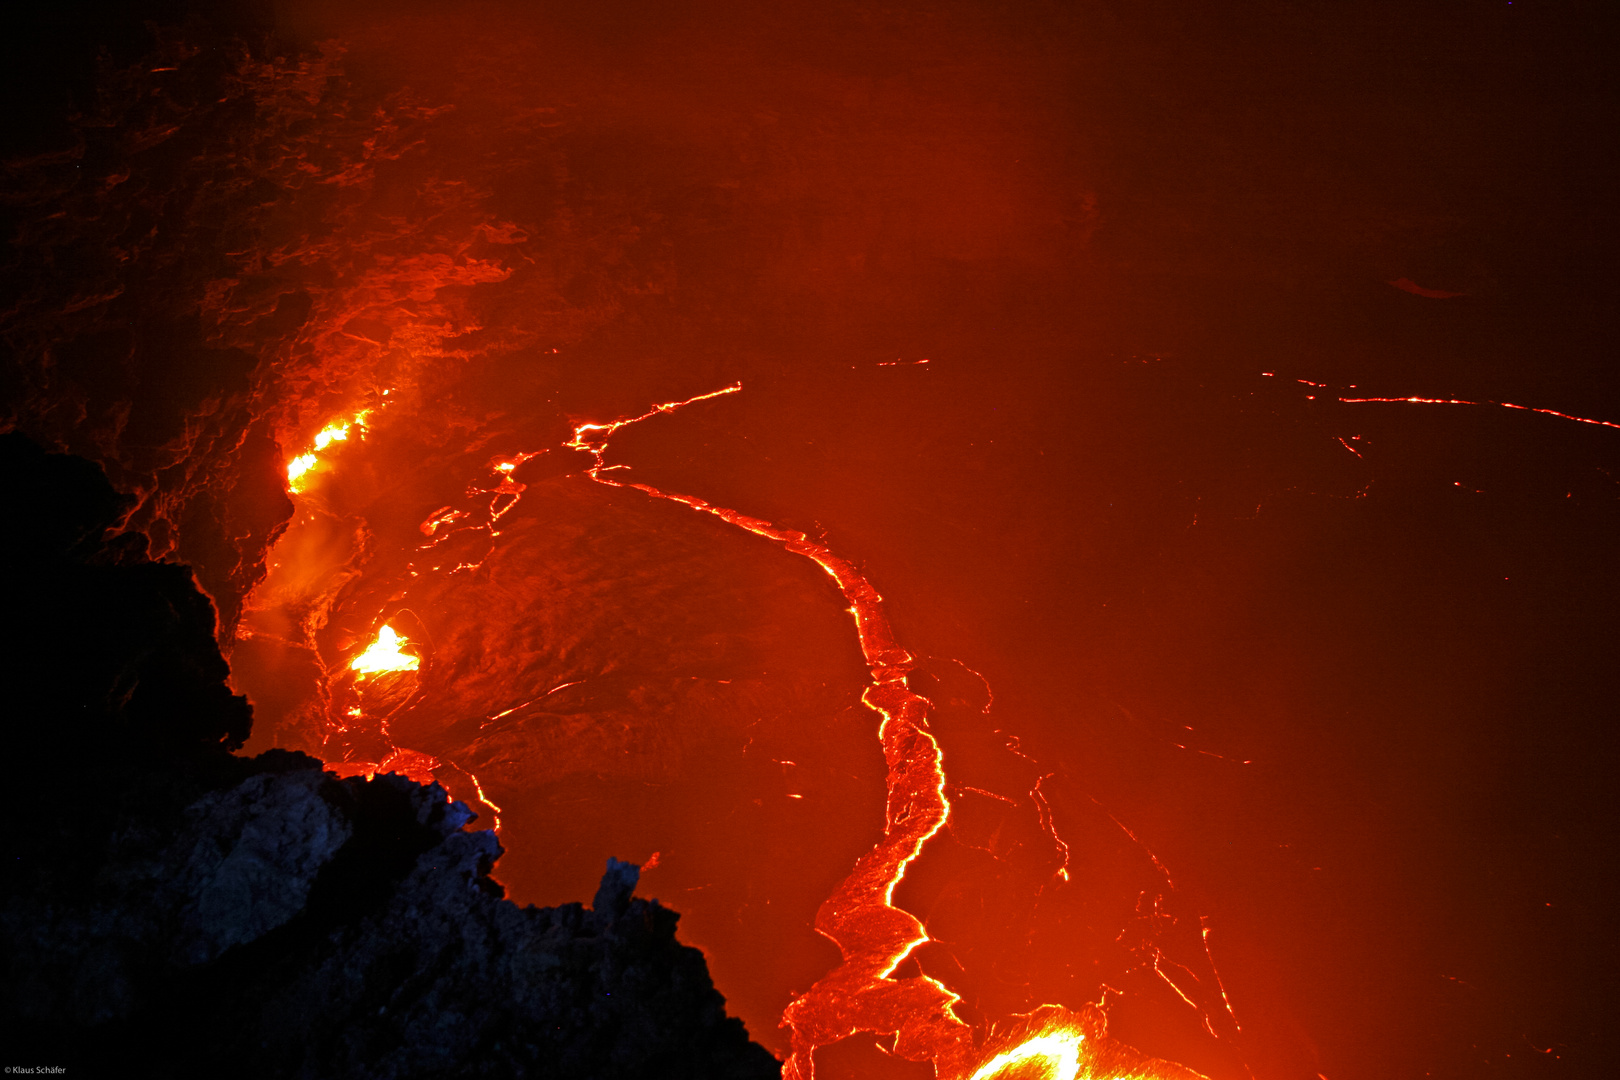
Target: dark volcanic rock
x,y
175,903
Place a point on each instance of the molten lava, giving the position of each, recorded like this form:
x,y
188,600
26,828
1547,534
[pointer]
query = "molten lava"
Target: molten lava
x,y
1058,1055
873,988
1053,1043
1498,404
297,467
874,937
1415,400
338,431
384,655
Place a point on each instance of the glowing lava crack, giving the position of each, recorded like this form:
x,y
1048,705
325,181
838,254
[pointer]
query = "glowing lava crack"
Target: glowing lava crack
x,y
872,934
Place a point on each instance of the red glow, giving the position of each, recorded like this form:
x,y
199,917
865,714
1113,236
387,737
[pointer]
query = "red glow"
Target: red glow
x,y
568,216
1408,285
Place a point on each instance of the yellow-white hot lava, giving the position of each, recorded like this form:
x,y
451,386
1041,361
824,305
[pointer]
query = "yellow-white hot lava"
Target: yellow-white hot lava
x,y
1059,1052
384,655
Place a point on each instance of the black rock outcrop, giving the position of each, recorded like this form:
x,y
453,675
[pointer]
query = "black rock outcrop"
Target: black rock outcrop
x,y
167,901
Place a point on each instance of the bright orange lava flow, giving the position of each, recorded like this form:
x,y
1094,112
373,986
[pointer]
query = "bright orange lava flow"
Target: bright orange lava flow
x,y
872,935
384,655
1056,1044
1058,1054
337,431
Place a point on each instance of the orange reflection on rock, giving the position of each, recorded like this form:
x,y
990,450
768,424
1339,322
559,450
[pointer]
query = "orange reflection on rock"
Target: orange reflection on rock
x,y
412,764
